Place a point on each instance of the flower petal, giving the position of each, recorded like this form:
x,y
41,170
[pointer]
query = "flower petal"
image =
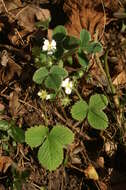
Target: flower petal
x,y
68,90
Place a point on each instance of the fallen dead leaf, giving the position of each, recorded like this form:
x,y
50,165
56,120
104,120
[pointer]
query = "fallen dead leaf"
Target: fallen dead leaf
x,y
2,187
89,15
2,107
102,185
120,79
4,58
5,163
14,104
8,72
91,173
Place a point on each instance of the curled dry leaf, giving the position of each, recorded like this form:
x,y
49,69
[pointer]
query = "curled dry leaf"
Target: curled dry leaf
x,y
4,58
91,173
28,15
5,163
14,104
89,15
8,72
120,79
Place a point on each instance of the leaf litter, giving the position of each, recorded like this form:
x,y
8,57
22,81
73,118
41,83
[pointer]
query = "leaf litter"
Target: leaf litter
x,y
84,169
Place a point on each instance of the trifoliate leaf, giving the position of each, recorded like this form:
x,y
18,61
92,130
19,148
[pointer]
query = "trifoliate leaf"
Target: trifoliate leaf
x,y
4,125
62,134
79,110
71,42
53,81
17,134
34,136
56,70
84,62
59,33
97,119
50,153
98,101
93,47
40,75
85,37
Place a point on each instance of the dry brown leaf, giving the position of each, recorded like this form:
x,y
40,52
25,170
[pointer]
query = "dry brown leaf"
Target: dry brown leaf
x,y
14,104
91,173
2,187
28,15
120,79
4,58
102,185
2,107
8,72
5,162
87,14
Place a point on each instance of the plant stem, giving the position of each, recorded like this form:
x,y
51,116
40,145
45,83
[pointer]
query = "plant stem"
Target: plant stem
x,y
113,90
78,94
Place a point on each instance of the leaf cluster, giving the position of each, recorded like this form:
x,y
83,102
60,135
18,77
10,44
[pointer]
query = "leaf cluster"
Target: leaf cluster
x,y
92,111
16,133
51,143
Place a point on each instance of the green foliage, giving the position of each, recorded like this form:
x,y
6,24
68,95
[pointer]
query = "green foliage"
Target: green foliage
x,y
55,77
84,62
43,24
96,117
40,75
4,125
85,37
86,45
59,33
17,134
98,101
79,110
71,42
93,47
34,136
53,81
60,71
50,153
13,131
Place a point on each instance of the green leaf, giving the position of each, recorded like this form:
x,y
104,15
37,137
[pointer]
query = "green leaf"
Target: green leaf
x,y
34,136
85,37
71,42
56,70
4,125
79,110
50,153
17,134
43,24
98,101
84,62
53,81
43,57
97,119
40,75
62,134
94,47
59,33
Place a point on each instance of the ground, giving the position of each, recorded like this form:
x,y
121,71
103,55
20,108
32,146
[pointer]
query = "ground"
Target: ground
x,y
96,159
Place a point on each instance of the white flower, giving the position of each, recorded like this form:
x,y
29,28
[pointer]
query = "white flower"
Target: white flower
x,y
50,47
67,85
43,95
48,97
